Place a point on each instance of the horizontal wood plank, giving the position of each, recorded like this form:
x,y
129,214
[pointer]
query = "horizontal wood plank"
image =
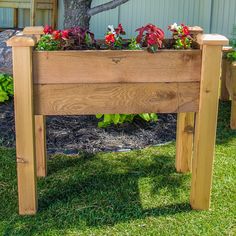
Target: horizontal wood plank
x,y
123,98
109,66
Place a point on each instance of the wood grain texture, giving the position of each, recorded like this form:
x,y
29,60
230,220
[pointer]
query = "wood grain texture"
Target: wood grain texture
x,y
128,98
40,141
184,142
205,129
54,16
116,66
212,39
22,41
38,30
25,133
15,17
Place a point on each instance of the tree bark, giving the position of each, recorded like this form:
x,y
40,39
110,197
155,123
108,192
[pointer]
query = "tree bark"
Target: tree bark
x,y
106,6
79,12
76,13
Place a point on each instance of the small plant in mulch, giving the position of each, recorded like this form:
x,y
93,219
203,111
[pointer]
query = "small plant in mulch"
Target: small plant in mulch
x,y
6,87
123,118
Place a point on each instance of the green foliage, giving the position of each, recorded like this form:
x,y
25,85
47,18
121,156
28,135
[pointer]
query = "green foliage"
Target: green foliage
x,y
185,43
232,43
48,43
231,56
116,119
152,48
133,45
6,87
118,44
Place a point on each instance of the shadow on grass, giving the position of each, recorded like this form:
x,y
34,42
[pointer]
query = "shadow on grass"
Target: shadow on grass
x,y
224,132
103,189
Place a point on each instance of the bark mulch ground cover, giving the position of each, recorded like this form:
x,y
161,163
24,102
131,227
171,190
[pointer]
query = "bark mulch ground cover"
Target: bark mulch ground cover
x,y
74,134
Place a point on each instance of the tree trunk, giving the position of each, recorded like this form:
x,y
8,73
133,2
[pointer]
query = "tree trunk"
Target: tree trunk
x,y
76,13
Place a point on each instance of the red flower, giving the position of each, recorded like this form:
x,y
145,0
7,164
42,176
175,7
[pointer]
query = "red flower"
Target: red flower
x,y
56,34
65,34
110,38
185,30
48,29
120,30
152,39
150,30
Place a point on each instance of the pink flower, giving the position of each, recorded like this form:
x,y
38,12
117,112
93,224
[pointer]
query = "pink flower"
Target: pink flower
x,y
120,30
56,34
65,34
48,29
152,39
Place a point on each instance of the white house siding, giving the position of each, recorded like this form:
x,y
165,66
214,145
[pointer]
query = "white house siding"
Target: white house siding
x,y
216,16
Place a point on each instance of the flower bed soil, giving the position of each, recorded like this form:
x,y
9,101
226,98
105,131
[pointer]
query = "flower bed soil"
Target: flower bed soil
x,y
74,134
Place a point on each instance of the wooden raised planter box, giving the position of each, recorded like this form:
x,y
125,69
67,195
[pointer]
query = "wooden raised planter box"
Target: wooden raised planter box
x,y
90,82
228,85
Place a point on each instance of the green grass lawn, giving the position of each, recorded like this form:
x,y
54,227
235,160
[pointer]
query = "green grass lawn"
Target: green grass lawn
x,y
135,193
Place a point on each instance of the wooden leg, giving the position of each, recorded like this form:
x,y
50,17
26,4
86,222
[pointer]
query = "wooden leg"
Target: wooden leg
x,y
54,14
233,116
32,12
224,94
233,96
25,130
205,128
184,142
15,18
40,139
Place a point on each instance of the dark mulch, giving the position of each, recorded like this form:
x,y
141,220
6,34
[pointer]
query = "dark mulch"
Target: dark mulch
x,y
73,134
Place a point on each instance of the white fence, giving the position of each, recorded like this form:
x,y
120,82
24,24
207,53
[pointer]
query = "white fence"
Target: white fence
x,y
215,16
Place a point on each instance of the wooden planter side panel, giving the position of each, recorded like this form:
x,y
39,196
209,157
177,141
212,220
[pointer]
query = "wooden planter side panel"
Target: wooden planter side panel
x,y
116,66
131,98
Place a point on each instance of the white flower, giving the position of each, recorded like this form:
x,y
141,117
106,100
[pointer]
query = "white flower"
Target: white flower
x,y
111,29
174,26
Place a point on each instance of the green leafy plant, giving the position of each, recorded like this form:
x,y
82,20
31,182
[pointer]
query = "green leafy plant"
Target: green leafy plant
x,y
232,43
113,38
150,36
75,38
181,35
232,55
6,87
48,43
133,45
116,119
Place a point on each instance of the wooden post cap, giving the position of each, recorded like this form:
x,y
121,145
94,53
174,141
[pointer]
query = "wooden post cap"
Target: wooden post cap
x,y
33,30
22,41
228,49
195,30
212,39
